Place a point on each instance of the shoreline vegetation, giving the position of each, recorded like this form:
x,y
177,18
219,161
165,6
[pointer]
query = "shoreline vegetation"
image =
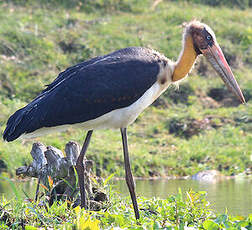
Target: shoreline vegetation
x,y
181,211
195,128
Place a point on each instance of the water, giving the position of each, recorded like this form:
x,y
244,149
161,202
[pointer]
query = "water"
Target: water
x,y
233,195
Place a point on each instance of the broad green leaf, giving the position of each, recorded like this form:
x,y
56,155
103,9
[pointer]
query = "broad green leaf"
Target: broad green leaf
x,y
30,228
210,225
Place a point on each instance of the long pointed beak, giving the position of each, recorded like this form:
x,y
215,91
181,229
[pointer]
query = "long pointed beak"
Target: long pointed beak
x,y
215,56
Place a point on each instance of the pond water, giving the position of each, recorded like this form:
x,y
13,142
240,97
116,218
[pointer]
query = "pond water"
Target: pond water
x,y
235,195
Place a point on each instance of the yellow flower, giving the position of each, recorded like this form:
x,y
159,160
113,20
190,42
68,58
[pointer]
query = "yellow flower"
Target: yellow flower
x,y
88,224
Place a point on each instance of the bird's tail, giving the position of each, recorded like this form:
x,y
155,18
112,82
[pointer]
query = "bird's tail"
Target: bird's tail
x,y
16,125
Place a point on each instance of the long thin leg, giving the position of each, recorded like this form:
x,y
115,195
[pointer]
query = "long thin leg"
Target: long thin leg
x,y
128,176
37,189
80,168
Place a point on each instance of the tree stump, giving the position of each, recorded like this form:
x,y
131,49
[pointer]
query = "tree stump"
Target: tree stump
x,y
57,173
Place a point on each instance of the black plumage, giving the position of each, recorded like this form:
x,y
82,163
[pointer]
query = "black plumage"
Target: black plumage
x,y
88,90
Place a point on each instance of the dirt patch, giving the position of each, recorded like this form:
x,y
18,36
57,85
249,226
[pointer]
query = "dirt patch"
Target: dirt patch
x,y
188,127
75,49
70,46
226,98
206,101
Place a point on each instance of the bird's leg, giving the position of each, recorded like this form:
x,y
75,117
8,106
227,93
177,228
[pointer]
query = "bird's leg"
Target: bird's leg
x,y
37,189
80,168
128,176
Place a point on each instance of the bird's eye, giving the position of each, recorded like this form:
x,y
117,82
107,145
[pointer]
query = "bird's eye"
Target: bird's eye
x,y
208,37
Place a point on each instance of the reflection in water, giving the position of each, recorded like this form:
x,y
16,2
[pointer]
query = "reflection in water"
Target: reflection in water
x,y
23,188
235,195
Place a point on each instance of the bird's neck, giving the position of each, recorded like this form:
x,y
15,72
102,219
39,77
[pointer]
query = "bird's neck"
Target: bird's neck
x,y
186,60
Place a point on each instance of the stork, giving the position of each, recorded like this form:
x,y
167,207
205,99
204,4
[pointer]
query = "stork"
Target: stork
x,y
111,91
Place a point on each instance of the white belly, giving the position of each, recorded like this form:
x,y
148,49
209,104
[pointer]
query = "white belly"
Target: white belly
x,y
119,118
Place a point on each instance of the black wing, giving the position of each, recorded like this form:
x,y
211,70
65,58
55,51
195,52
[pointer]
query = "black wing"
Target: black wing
x,y
87,91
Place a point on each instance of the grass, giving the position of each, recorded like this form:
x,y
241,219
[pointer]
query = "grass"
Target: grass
x,y
37,42
192,211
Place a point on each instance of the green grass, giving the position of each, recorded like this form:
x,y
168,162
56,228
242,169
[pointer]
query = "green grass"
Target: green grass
x,y
175,212
39,41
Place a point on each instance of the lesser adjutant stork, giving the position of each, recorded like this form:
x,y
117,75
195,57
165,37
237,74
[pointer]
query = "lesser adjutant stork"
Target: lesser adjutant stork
x,y
111,91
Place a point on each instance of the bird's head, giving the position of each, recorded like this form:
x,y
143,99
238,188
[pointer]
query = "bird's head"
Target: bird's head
x,y
204,42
